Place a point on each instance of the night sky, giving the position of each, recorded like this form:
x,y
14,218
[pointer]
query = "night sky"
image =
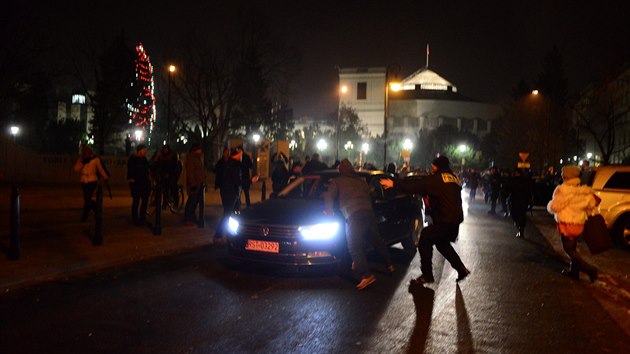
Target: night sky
x,y
483,47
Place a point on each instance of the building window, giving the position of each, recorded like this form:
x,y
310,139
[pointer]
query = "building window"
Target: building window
x,y
80,99
482,125
361,90
467,125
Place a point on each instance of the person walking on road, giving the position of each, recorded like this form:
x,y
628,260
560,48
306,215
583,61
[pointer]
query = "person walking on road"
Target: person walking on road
x,y
494,184
246,166
571,204
519,192
353,194
139,184
195,182
91,168
444,192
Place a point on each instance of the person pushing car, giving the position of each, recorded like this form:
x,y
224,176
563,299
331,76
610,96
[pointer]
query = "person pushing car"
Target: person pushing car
x,y
444,191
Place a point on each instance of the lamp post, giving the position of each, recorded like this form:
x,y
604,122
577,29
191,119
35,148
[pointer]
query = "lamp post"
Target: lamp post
x,y
365,148
171,70
395,86
343,89
14,130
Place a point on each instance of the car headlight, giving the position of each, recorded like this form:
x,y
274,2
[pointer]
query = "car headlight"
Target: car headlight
x,y
319,232
232,225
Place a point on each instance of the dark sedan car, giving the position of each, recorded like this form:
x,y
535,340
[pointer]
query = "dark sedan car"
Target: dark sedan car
x,y
291,229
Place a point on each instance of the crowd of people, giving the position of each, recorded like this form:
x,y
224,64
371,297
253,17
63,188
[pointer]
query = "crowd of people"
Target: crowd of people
x,y
513,190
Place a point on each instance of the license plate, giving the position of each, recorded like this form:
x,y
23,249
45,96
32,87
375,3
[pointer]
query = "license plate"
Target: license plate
x,y
263,246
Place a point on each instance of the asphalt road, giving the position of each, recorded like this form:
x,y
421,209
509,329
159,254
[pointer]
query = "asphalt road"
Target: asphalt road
x,y
515,301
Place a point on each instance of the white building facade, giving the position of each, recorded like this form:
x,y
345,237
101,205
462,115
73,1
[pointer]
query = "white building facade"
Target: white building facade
x,y
425,101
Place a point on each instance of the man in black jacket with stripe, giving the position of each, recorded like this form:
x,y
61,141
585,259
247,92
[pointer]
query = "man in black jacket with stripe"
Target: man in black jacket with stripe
x,y
444,192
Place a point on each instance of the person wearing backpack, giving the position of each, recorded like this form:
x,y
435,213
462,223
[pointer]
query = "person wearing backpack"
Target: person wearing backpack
x,y
91,168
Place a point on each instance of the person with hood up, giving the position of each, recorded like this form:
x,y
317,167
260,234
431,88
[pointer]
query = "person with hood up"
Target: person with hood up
x,y
353,195
571,204
444,191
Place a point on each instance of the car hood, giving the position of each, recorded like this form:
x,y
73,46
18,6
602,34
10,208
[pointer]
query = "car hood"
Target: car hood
x,y
285,211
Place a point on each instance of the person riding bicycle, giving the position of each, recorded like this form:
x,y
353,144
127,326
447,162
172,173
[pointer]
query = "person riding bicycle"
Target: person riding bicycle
x,y
167,170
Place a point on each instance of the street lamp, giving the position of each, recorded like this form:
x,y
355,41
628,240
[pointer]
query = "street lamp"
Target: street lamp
x,y
14,130
171,70
407,145
138,134
322,145
343,89
394,86
365,148
462,149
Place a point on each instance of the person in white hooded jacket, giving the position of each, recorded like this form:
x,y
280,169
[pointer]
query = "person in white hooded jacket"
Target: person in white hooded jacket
x,y
571,204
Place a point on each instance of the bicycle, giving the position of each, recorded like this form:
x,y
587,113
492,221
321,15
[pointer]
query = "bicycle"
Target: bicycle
x,y
174,203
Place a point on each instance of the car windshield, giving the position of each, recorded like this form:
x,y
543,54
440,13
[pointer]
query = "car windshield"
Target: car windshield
x,y
314,186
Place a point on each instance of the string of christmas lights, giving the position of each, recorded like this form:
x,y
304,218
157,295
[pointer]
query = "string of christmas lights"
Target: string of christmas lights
x,y
142,109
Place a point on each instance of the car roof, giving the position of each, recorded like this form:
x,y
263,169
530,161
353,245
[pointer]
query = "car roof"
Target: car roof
x,y
603,174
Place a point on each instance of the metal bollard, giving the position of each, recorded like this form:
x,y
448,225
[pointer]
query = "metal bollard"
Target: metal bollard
x,y
202,207
98,217
157,228
263,195
15,251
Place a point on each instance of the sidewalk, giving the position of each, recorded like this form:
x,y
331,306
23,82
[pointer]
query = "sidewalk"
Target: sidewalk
x,y
55,244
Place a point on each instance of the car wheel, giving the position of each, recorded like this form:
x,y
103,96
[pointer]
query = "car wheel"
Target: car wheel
x,y
622,231
410,244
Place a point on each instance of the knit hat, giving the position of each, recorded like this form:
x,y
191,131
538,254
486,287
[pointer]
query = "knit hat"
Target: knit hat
x,y
441,162
345,168
569,172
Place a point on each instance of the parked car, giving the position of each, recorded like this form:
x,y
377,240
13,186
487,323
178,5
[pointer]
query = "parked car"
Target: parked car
x,y
612,185
291,229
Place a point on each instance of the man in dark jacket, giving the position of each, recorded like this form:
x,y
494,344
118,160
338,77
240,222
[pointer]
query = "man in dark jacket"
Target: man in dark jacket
x,y
353,194
444,192
494,181
195,184
246,166
314,165
519,191
138,179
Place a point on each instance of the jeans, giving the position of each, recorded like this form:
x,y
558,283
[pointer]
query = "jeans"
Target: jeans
x,y
139,196
359,225
440,235
195,198
88,203
231,202
578,264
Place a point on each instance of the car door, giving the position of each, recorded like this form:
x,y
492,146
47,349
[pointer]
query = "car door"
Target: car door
x,y
391,209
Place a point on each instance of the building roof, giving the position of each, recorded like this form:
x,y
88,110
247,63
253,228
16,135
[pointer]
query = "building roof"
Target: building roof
x,y
422,94
427,80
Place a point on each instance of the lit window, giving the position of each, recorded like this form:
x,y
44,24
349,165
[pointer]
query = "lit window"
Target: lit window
x,y
80,99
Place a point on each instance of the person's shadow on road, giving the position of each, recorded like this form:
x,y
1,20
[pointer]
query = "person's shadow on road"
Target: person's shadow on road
x,y
423,300
464,337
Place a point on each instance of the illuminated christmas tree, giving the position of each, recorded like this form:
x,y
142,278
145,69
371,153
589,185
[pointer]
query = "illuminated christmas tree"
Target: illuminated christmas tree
x,y
142,108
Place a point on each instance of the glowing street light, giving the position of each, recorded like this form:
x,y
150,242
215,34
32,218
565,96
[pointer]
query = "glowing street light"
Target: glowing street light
x,y
349,145
138,134
407,145
535,92
14,130
365,147
322,145
256,138
589,155
462,148
293,144
344,89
